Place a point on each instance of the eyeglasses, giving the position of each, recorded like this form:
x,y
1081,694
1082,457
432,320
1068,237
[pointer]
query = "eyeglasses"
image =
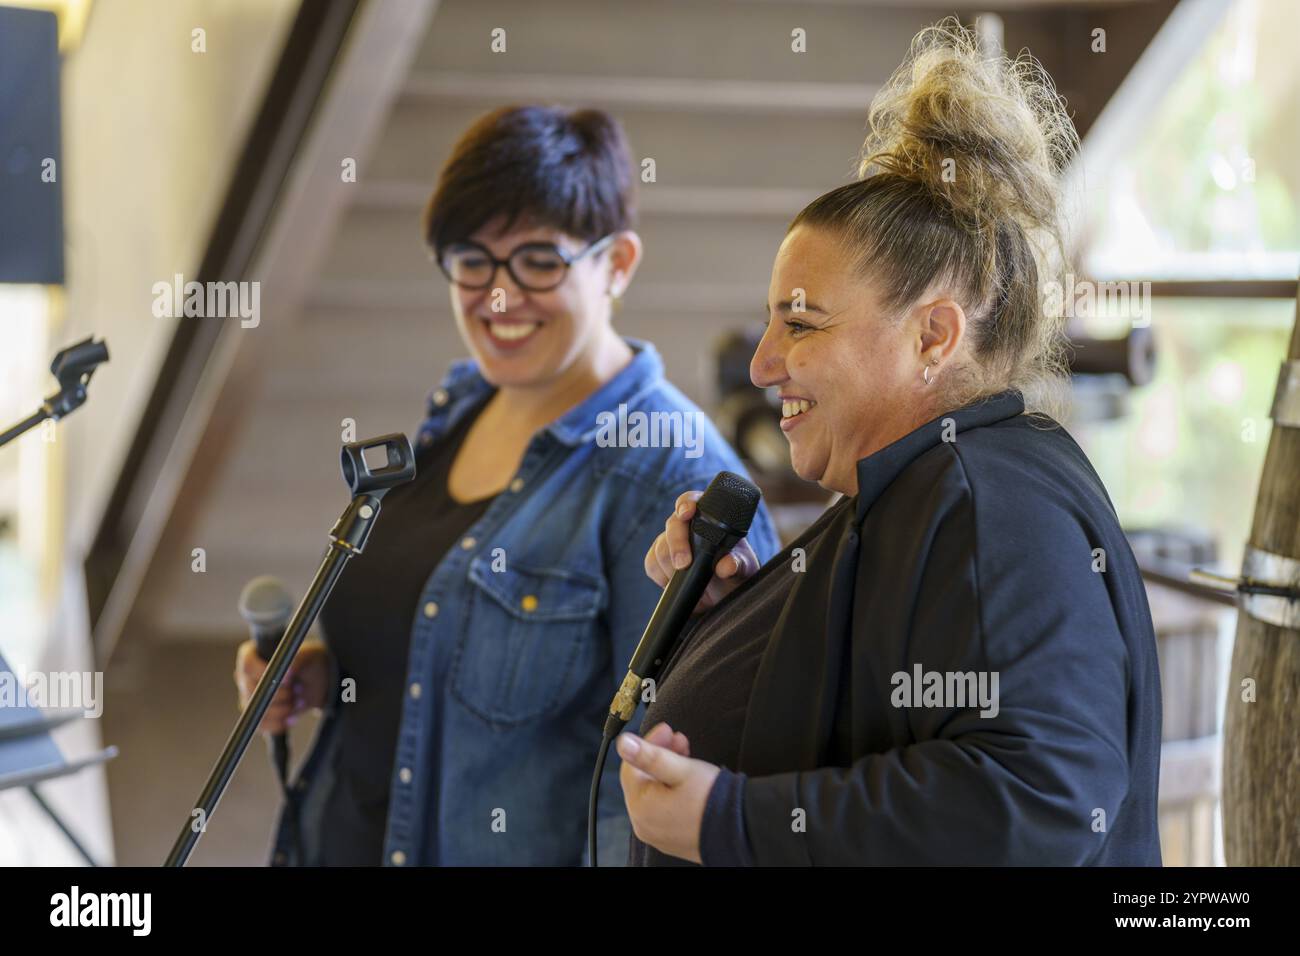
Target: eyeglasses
x,y
535,266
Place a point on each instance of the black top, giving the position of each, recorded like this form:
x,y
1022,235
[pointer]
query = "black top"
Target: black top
x,y
367,625
954,679
712,673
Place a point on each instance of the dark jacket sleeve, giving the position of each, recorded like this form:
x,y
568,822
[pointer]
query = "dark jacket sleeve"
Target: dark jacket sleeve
x,y
1012,594
723,840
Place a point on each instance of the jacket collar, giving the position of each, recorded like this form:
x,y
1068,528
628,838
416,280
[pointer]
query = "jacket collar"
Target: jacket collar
x,y
464,385
877,471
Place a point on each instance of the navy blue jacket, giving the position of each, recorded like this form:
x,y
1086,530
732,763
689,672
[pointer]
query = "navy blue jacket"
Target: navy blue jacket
x,y
983,542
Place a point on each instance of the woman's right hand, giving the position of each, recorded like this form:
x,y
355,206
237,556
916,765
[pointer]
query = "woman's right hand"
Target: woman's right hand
x,y
303,687
671,552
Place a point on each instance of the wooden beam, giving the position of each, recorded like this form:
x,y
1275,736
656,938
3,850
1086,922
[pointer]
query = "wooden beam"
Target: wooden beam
x,y
706,202
1224,288
1261,753
658,92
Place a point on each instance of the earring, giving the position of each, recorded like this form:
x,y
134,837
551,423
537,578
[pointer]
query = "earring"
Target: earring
x,y
925,373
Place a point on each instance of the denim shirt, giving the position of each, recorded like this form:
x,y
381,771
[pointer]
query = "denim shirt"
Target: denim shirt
x,y
525,630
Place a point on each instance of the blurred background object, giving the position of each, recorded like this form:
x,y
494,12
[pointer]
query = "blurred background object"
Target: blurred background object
x,y
295,145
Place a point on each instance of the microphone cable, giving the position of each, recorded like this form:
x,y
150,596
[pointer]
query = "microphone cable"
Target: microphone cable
x,y
594,798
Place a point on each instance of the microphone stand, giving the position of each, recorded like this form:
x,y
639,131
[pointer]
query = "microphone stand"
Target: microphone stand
x,y
347,538
73,368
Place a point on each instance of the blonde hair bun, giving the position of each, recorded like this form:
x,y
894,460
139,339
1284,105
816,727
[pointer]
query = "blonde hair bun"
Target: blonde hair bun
x,y
987,134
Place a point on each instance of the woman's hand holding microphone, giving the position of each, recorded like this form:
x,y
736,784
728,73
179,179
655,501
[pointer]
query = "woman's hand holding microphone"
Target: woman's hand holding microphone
x,y
671,552
303,687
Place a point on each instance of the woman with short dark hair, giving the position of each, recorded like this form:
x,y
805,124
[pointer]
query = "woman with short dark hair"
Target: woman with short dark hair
x,y
469,659
955,664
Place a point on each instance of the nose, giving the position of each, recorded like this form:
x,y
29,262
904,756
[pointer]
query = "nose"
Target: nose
x,y
767,367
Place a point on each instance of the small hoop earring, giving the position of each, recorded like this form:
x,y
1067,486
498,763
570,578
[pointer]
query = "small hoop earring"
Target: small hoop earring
x,y
925,374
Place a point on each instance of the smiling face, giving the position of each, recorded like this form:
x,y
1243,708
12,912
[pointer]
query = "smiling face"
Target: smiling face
x,y
848,373
524,339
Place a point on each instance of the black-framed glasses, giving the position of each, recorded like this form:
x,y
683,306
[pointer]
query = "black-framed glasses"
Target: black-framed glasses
x,y
535,266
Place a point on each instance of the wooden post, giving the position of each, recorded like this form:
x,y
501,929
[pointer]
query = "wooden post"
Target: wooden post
x,y
1261,740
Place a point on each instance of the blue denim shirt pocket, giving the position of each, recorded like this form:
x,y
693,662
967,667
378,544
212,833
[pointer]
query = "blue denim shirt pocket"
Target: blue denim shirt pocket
x,y
532,630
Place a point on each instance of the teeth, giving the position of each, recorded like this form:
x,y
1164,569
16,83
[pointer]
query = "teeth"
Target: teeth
x,y
789,409
512,330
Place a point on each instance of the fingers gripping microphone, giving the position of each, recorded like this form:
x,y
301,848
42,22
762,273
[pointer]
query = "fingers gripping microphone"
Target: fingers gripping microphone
x,y
722,517
266,607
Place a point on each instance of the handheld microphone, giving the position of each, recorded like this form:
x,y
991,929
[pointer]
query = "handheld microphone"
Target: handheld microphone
x,y
266,607
722,517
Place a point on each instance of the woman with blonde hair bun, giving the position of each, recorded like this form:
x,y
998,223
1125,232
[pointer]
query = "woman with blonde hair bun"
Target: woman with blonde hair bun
x,y
955,664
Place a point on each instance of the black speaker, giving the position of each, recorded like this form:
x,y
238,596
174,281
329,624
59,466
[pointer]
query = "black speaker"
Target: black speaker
x,y
31,164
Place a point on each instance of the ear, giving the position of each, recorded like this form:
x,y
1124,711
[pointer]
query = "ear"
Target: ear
x,y
624,257
941,328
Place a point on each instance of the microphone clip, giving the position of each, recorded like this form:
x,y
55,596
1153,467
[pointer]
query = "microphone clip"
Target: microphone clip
x,y
369,485
73,368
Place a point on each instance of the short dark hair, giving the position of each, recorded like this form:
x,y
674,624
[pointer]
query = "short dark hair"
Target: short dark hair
x,y
569,169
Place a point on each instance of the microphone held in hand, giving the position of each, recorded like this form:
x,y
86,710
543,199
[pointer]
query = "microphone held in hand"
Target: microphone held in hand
x,y
722,518
266,608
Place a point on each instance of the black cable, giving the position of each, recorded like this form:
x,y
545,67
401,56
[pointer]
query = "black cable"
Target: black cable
x,y
592,800
280,759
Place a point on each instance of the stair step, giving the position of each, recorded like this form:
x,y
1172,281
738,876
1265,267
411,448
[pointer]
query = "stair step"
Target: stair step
x,y
812,149
691,94
385,245
409,197
684,39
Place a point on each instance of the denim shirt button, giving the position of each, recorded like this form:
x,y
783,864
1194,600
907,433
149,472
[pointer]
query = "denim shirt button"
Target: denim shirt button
x,y
431,609
415,691
517,485
398,858
467,543
404,775
440,397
